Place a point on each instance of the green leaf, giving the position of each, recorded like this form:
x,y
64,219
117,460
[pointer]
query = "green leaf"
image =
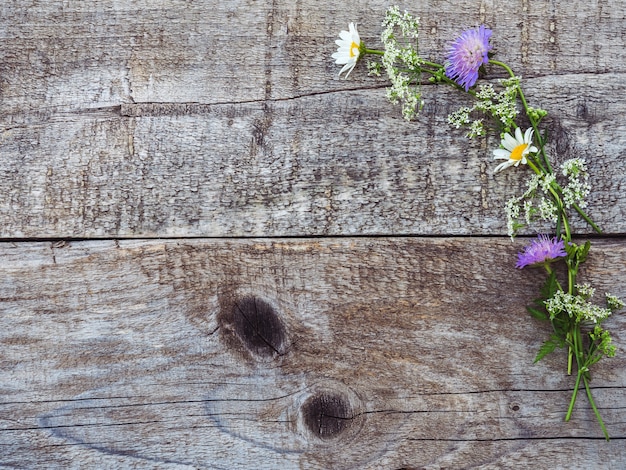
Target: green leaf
x,y
538,314
577,253
583,252
549,287
549,346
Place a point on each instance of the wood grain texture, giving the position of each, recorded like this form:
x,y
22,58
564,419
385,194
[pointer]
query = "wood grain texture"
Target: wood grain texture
x,y
278,169
184,119
206,118
292,353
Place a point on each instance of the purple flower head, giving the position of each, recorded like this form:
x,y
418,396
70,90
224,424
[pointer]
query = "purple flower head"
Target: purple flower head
x,y
466,55
540,251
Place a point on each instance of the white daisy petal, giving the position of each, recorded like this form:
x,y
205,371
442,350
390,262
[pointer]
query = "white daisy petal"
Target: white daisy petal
x,y
354,32
509,142
518,135
501,154
345,36
528,135
347,67
502,166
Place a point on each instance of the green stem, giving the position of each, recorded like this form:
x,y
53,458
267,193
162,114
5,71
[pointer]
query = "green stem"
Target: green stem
x,y
568,234
571,279
575,345
527,110
572,401
587,219
433,65
570,353
549,271
557,200
595,409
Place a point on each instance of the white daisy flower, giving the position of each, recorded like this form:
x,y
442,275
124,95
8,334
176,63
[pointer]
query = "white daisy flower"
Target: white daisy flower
x,y
515,149
349,49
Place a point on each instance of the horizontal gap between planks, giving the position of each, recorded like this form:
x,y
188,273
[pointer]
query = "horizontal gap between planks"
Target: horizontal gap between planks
x,y
291,237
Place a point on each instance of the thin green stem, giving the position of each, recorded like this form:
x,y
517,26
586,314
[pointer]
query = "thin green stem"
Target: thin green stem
x,y
432,64
586,218
503,65
549,271
576,346
571,279
435,65
553,191
572,401
527,110
568,234
373,51
570,353
595,409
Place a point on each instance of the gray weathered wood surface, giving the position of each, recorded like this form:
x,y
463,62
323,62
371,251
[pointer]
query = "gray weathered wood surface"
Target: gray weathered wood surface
x,y
172,118
141,145
132,353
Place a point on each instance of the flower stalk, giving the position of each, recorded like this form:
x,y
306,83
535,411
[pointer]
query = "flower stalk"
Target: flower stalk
x,y
575,321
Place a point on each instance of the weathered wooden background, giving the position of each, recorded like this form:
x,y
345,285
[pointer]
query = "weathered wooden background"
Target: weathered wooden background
x,y
217,254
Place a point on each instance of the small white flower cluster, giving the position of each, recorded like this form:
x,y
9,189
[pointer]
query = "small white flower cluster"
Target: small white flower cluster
x,y
409,25
461,118
374,68
536,203
512,210
613,302
585,290
577,306
578,187
401,62
501,106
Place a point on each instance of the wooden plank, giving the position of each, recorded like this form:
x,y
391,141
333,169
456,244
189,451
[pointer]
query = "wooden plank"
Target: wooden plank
x,y
138,120
67,54
331,164
365,353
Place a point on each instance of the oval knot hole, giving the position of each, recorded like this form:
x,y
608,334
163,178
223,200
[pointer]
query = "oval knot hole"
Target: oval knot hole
x,y
327,415
259,327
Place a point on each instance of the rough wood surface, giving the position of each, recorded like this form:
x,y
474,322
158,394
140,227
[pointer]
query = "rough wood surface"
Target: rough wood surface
x,y
206,118
313,353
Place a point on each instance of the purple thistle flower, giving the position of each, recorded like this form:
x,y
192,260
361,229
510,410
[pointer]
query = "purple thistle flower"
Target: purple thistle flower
x,y
466,55
540,251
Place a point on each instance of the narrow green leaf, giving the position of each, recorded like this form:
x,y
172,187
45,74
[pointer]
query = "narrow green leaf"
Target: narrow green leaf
x,y
538,314
549,287
549,346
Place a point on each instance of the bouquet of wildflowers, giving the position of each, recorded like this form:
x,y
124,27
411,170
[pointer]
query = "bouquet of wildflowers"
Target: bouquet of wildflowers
x,y
550,195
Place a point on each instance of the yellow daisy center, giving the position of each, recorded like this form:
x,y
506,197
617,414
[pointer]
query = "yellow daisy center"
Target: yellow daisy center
x,y
354,49
516,154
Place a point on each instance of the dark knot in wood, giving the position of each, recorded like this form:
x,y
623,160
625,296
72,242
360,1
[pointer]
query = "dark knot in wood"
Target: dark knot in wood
x,y
327,415
259,327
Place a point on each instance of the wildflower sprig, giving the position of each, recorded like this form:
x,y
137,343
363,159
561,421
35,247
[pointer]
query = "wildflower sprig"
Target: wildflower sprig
x,y
549,196
500,106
